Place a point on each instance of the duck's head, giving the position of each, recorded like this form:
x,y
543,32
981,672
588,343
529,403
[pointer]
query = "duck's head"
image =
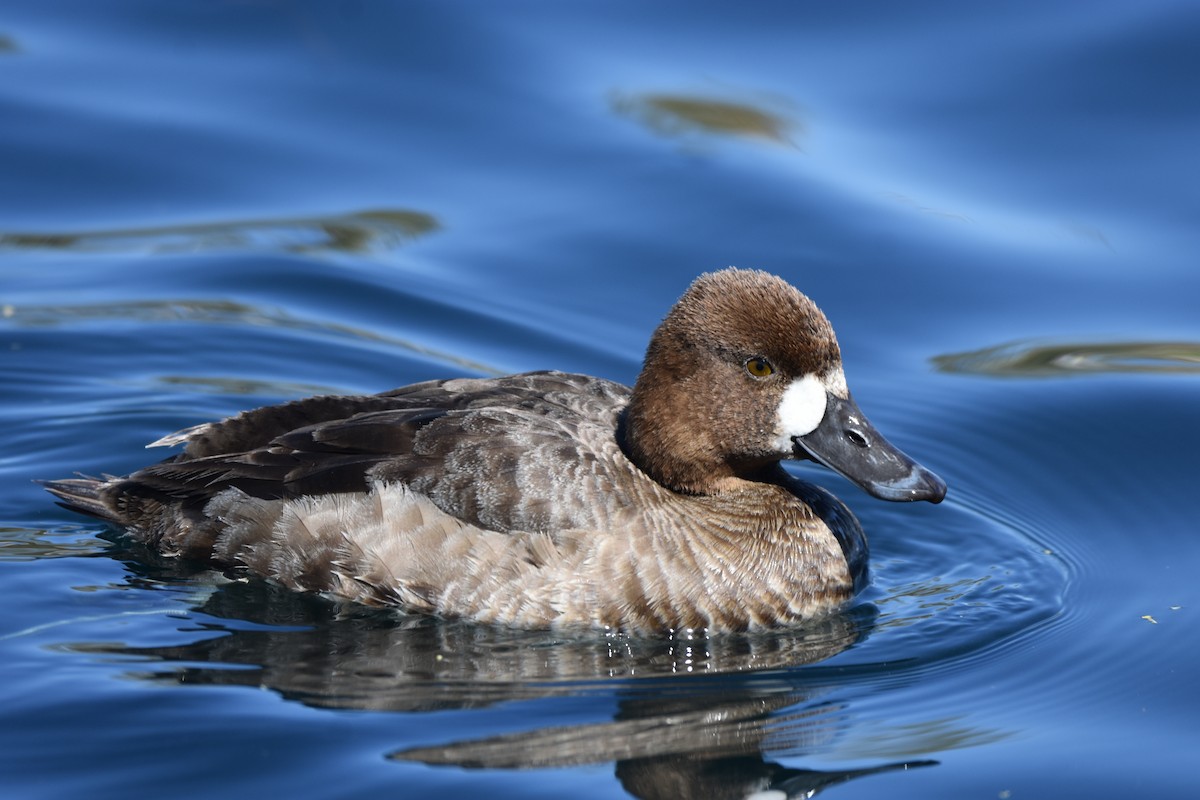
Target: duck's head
x,y
743,372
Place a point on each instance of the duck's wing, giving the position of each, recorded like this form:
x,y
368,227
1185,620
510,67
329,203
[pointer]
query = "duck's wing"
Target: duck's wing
x,y
328,457
260,426
526,452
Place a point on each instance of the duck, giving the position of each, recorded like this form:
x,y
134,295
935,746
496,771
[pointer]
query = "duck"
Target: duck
x,y
548,500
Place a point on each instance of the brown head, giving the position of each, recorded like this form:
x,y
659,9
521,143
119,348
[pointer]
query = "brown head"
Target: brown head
x,y
744,371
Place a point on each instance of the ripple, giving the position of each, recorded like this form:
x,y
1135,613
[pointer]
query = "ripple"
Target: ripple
x,y
357,232
1033,360
35,544
951,588
219,313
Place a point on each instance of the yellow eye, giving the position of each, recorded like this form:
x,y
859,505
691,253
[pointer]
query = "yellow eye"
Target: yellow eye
x,y
759,367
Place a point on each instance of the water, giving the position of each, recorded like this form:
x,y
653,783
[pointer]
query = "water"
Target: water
x,y
208,207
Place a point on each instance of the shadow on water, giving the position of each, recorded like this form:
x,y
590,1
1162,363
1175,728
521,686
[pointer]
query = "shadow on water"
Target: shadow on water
x,y
706,734
358,232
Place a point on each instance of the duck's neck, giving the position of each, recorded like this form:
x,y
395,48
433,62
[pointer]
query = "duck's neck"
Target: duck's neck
x,y
638,440
665,443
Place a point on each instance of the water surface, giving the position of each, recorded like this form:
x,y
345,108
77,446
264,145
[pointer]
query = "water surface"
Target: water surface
x,y
208,207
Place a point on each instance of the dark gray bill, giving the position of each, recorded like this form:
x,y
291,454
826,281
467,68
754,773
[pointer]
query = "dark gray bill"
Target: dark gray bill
x,y
849,445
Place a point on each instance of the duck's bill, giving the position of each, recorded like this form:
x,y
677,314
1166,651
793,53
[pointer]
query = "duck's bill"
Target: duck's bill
x,y
848,444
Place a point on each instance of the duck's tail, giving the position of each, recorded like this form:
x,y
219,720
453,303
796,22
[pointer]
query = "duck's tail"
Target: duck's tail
x,y
83,494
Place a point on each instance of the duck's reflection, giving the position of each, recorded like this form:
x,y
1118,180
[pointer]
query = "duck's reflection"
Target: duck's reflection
x,y
701,735
699,745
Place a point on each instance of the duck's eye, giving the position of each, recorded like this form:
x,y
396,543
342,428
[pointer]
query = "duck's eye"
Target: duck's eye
x,y
759,367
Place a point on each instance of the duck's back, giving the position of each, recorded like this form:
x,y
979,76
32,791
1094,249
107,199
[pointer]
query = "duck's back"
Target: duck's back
x,y
532,452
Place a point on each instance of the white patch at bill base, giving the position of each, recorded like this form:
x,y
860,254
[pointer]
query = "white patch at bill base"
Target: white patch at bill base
x,y
800,411
835,383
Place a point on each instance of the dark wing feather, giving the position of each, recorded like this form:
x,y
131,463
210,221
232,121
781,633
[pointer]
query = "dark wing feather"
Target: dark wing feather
x,y
326,457
258,427
505,453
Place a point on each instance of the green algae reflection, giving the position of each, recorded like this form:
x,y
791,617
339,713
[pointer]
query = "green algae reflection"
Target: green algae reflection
x,y
681,114
356,232
1032,360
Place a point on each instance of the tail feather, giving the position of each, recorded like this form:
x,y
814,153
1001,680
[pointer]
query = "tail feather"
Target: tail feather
x,y
82,494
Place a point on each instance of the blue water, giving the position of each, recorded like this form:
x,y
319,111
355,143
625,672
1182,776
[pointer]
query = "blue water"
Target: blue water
x,y
206,207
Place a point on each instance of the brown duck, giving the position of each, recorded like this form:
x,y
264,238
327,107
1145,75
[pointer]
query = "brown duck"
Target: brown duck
x,y
551,499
